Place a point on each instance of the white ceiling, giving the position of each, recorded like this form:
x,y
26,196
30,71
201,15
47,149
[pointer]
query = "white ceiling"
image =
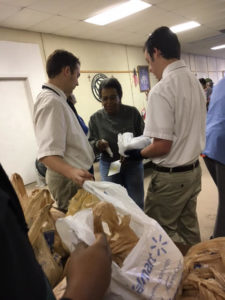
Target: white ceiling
x,y
65,17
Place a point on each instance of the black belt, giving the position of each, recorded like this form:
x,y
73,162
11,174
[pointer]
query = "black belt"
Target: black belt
x,y
176,169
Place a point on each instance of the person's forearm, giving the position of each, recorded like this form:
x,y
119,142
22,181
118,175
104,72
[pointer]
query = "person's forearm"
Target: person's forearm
x,y
78,291
74,293
157,148
57,164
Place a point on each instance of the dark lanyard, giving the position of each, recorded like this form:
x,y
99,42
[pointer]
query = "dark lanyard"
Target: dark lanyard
x,y
70,105
81,122
48,88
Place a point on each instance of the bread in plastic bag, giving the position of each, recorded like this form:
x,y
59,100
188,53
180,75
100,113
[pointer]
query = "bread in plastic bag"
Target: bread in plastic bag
x,y
121,237
152,269
81,200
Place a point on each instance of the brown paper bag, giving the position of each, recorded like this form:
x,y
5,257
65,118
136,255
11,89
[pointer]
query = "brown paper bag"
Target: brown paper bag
x,y
204,272
47,245
56,214
50,263
59,290
81,200
17,182
122,239
45,222
40,199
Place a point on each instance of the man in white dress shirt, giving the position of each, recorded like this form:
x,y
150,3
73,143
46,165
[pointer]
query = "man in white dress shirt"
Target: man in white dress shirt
x,y
62,144
175,119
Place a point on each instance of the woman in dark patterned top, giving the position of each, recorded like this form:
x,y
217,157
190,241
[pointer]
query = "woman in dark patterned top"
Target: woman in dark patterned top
x,y
104,127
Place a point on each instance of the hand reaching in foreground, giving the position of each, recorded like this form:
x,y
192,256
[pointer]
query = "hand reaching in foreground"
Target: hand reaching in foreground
x,y
89,271
134,154
79,176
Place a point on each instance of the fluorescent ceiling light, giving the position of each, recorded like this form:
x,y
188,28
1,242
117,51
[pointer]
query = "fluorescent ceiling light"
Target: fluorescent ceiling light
x,y
218,47
118,12
184,26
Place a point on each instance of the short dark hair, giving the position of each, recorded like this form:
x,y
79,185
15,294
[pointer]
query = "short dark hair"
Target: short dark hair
x,y
111,83
164,40
210,82
58,60
203,82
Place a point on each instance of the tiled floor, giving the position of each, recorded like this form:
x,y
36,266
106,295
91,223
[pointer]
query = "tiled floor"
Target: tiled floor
x,y
207,204
207,199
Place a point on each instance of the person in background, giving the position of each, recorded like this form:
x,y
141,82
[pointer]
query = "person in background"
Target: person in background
x,y
209,89
203,83
175,119
63,146
23,277
104,127
214,151
204,86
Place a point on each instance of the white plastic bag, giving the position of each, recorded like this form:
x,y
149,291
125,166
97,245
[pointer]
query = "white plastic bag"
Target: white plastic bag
x,y
153,268
126,141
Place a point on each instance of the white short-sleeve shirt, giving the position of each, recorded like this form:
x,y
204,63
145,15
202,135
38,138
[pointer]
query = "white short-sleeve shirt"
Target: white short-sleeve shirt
x,y
58,131
176,111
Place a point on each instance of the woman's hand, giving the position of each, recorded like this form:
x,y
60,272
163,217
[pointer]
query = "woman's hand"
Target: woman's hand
x,y
102,145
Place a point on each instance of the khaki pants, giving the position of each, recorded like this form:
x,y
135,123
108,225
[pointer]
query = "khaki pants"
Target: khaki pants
x,y
61,188
171,201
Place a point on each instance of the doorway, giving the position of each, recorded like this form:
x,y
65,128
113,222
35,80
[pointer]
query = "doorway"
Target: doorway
x,y
18,145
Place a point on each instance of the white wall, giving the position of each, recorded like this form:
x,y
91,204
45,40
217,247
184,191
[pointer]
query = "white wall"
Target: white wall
x,y
22,60
21,75
98,57
205,66
23,55
106,57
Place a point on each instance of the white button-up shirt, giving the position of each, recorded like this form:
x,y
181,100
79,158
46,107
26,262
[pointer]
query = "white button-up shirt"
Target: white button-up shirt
x,y
58,131
176,111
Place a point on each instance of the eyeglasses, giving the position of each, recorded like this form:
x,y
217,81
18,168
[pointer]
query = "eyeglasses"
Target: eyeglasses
x,y
111,98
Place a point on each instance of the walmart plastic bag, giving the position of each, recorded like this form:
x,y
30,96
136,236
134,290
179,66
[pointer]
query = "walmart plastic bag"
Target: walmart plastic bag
x,y
153,268
127,141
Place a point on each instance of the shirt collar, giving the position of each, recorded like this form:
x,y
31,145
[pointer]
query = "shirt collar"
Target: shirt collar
x,y
173,66
58,90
